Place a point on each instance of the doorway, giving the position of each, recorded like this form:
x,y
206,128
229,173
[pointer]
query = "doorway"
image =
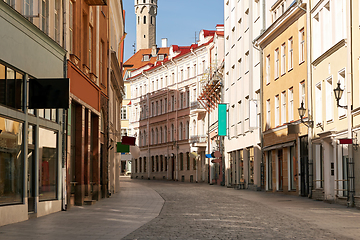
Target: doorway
x,y
280,169
31,170
304,166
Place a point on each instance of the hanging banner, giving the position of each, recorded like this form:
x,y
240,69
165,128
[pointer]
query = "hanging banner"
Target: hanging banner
x,y
222,119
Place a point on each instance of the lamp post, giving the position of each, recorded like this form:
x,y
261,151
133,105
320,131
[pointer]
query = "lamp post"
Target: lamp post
x,y
302,111
338,92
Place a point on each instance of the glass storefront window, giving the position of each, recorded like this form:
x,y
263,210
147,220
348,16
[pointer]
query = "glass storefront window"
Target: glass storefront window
x,y
48,165
11,88
11,161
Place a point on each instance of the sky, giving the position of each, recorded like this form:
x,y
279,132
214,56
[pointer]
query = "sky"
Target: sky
x,y
177,20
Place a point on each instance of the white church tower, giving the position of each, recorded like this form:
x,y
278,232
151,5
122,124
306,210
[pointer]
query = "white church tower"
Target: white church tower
x,y
146,11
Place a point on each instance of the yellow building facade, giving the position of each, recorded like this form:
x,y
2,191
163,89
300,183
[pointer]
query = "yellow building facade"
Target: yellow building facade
x,y
284,88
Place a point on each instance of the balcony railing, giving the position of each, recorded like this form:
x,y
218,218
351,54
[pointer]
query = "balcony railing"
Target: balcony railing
x,y
196,105
198,138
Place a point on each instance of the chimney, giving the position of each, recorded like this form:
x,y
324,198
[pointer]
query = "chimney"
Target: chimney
x,y
164,42
154,50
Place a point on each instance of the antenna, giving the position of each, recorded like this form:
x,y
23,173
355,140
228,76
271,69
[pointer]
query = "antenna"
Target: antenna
x,y
134,48
195,37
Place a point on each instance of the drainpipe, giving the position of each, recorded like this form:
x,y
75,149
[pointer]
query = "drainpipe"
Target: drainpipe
x,y
64,120
349,79
309,94
309,91
108,105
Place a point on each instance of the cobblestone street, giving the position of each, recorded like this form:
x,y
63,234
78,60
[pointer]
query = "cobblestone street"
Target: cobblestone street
x,y
200,211
174,210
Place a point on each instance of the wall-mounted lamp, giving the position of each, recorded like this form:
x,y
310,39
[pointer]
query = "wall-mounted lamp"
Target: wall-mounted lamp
x,y
338,92
302,111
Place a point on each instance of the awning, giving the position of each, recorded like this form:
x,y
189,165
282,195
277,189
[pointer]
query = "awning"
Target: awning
x,y
278,146
208,156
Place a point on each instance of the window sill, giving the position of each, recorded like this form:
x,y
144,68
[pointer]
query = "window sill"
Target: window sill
x,y
289,70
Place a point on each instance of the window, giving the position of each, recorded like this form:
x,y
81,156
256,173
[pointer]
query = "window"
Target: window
x,y
144,19
247,62
146,57
160,57
283,107
161,106
276,67
291,104
181,161
181,131
194,69
123,113
181,100
301,46
57,14
204,66
187,161
187,126
161,135
268,69
181,74
48,163
101,61
172,103
342,102
11,161
172,132
194,128
277,110
302,94
157,108
283,59
172,78
268,115
44,16
318,105
165,107
71,26
123,132
11,87
188,72
291,53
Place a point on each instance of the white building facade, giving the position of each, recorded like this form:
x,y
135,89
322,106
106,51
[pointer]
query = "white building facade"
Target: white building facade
x,y
170,124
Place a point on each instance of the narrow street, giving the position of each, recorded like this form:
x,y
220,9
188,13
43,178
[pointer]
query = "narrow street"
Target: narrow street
x,y
174,210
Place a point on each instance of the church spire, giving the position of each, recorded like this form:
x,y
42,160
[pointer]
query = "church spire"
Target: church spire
x,y
146,11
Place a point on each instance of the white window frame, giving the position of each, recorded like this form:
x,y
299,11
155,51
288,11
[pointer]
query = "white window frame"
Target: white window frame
x,y
290,54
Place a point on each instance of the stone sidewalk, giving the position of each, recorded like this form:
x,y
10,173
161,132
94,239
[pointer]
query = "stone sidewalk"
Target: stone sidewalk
x,y
111,218
174,210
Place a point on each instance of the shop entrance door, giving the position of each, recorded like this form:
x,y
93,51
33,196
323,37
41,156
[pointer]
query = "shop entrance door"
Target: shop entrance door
x,y
280,169
31,181
304,167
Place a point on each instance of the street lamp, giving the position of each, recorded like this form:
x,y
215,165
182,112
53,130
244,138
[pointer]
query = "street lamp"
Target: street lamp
x,y
302,111
338,94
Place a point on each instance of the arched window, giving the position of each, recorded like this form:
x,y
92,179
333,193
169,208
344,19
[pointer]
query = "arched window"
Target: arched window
x,y
143,1
187,130
144,19
138,19
194,127
165,134
181,131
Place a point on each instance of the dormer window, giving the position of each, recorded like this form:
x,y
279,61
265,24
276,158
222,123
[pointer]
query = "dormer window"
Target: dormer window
x,y
160,57
146,57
